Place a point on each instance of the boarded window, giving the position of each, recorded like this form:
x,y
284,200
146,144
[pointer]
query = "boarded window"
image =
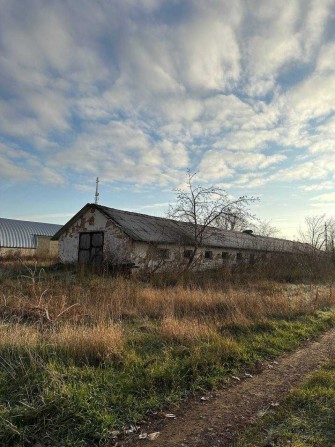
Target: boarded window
x,y
91,248
163,253
187,253
208,254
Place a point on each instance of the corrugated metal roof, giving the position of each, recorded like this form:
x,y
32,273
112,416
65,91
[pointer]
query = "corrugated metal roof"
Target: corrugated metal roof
x,y
152,229
22,234
142,227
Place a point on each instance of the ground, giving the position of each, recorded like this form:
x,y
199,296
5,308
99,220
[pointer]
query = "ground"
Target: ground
x,y
217,419
85,358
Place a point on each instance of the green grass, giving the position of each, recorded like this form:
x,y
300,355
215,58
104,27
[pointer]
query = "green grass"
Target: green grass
x,y
82,355
57,401
305,419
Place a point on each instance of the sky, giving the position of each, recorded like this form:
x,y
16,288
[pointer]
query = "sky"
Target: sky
x,y
138,91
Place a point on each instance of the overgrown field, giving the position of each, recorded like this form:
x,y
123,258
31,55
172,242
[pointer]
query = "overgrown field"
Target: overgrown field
x,y
82,356
305,419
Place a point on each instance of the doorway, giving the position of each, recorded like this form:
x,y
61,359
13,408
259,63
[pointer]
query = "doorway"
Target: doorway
x,y
91,249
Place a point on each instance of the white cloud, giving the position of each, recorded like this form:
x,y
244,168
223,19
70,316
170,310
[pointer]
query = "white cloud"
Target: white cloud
x,y
327,197
137,91
319,186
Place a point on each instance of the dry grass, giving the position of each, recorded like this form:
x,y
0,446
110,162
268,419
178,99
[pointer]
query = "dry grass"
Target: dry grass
x,y
186,331
90,317
98,300
18,336
101,342
81,343
82,355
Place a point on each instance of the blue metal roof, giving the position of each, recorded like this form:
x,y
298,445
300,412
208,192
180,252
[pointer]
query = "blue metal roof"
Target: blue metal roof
x,y
22,234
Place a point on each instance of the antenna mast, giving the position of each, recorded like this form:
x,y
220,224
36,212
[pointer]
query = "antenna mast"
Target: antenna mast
x,y
97,191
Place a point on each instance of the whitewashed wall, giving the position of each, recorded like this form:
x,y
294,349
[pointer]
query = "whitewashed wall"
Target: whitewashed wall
x,y
116,248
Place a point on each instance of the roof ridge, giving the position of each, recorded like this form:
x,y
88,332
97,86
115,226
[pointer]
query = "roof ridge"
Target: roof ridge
x,y
139,214
29,221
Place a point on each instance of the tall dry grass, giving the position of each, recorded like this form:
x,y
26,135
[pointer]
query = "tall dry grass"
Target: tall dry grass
x,y
187,331
101,300
81,343
88,316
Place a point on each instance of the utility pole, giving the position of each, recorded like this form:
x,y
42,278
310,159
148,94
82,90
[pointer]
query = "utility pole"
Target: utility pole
x,y
97,191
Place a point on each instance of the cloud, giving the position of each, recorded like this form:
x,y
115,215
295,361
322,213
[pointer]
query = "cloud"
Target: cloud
x,y
222,164
319,187
328,197
137,91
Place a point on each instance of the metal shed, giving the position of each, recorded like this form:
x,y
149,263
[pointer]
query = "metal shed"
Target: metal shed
x,y
21,234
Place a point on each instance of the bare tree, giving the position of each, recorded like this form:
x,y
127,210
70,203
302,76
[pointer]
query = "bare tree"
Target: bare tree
x,y
319,232
264,228
207,207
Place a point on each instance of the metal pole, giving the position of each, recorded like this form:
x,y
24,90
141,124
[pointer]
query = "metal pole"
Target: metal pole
x,y
97,191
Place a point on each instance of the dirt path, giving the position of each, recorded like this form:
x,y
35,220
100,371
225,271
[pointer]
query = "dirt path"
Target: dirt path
x,y
218,420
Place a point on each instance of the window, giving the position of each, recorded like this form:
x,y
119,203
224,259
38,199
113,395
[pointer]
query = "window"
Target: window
x,y
252,258
163,253
208,255
225,255
188,253
239,257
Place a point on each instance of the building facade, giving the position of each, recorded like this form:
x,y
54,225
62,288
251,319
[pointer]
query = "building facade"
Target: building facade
x,y
100,235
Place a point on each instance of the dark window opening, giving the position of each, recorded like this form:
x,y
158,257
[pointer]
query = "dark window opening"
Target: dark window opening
x,y
188,253
239,257
225,255
208,255
163,253
252,258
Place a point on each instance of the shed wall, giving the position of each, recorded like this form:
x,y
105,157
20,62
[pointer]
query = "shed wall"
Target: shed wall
x,y
145,256
117,246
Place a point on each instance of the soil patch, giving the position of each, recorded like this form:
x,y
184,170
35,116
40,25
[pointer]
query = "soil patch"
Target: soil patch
x,y
217,420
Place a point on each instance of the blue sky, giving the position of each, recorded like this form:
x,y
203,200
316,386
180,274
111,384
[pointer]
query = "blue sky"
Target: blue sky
x,y
137,91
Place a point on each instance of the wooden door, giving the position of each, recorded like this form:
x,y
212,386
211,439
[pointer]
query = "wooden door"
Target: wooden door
x,y
91,249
